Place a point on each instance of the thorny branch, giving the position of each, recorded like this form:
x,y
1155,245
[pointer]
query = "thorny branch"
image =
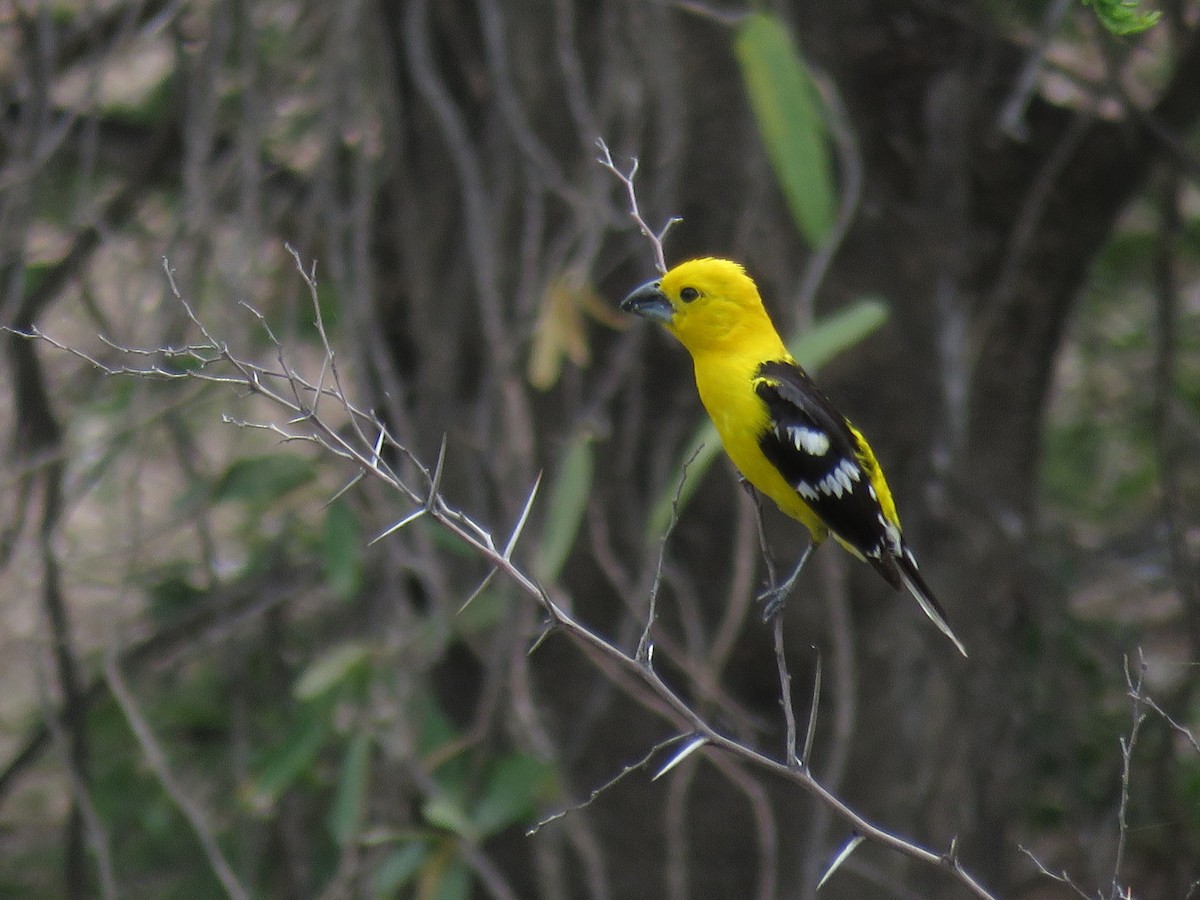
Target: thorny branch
x,y
212,360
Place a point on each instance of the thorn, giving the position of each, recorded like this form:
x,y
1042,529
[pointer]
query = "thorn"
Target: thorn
x,y
378,448
646,655
435,483
519,527
810,734
487,579
546,632
851,846
685,751
351,483
407,520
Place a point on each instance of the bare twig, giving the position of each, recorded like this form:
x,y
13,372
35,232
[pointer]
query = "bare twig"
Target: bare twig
x,y
157,759
1183,732
644,647
764,824
1060,877
850,169
655,238
596,792
1012,115
1139,702
675,823
785,694
97,836
1138,714
785,677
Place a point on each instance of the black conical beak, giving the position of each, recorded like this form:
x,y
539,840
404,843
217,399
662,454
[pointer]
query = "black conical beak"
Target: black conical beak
x,y
649,302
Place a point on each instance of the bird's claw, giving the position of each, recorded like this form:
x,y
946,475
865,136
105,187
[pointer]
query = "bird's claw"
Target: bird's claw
x,y
773,600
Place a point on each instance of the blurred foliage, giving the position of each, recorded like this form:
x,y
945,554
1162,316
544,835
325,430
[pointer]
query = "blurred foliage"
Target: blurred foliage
x,y
1100,463
1123,16
788,109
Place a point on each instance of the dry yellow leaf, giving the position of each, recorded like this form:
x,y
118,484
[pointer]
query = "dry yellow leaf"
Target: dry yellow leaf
x,y
560,330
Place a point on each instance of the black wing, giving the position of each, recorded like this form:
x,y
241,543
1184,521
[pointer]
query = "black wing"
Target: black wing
x,y
812,445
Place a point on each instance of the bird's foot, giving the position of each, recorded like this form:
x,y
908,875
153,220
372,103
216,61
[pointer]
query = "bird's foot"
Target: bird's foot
x,y
773,600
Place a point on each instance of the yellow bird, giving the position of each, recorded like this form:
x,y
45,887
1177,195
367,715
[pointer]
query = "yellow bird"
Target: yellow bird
x,y
781,432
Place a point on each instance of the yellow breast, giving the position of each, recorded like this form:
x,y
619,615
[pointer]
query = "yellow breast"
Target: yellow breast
x,y
741,417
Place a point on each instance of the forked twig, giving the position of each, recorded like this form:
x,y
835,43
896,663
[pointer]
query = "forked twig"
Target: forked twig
x,y
655,238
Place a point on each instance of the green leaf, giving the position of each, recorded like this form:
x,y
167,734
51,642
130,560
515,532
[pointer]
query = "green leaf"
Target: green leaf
x,y
288,761
436,728
568,502
399,868
1123,16
813,349
511,793
260,480
445,812
342,550
838,332
455,883
172,593
345,818
788,110
331,669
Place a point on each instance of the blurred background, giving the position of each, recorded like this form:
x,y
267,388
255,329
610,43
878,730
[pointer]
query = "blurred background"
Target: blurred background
x,y
980,219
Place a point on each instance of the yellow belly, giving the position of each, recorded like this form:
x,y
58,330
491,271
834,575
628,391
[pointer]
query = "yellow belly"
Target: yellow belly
x,y
740,416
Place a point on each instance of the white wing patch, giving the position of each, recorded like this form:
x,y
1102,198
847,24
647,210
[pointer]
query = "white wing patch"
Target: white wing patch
x,y
810,440
840,481
891,542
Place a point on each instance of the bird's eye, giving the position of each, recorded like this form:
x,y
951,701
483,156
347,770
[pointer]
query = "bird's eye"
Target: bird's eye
x,y
688,294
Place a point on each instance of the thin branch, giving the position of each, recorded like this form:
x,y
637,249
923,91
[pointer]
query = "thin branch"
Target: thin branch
x,y
764,823
785,695
678,873
810,732
1012,114
644,646
1185,733
596,792
626,179
157,759
1138,715
850,170
1060,877
97,836
785,677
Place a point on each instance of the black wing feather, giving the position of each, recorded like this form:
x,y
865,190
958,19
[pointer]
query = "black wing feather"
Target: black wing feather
x,y
854,513
795,402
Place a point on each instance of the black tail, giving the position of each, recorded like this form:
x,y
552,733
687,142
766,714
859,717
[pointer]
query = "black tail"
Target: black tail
x,y
906,568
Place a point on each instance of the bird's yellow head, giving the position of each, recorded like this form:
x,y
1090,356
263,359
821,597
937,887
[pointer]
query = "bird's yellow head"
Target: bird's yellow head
x,y
709,305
